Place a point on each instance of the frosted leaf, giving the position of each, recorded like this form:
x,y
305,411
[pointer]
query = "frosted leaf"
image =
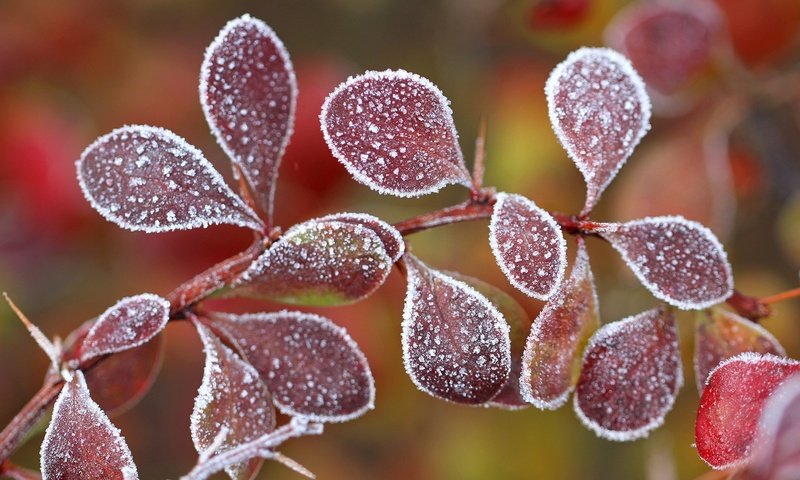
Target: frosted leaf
x,y
392,240
528,245
313,367
456,344
630,375
721,334
681,262
319,263
81,443
149,179
131,322
232,397
599,110
731,405
248,92
551,363
394,132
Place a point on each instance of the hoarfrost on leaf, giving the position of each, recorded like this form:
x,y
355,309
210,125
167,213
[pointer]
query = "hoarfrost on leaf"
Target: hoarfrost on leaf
x,y
456,344
528,245
81,443
148,179
392,240
679,261
313,367
630,376
599,110
394,132
248,92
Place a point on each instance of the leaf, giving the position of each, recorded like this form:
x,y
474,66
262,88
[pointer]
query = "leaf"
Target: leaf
x,y
679,261
456,344
630,376
319,263
551,363
248,92
313,368
731,405
721,334
149,179
394,132
392,240
528,245
81,443
599,110
231,397
131,322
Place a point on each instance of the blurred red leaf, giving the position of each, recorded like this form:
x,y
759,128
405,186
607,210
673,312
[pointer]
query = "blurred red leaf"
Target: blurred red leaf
x,y
762,31
557,14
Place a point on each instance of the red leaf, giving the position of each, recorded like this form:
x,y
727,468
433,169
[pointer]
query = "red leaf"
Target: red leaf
x,y
231,396
81,443
319,263
456,344
149,179
599,110
557,14
131,322
721,334
394,132
312,366
528,245
679,261
731,405
248,92
631,373
551,364
392,240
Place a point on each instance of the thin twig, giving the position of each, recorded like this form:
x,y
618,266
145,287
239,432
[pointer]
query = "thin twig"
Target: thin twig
x,y
479,166
779,297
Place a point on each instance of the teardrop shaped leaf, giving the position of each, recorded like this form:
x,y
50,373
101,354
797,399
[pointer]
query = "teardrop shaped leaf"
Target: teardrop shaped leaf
x,y
679,261
81,443
599,110
528,245
131,322
551,364
456,344
319,263
731,405
248,92
231,396
630,376
394,132
721,334
392,240
313,367
149,179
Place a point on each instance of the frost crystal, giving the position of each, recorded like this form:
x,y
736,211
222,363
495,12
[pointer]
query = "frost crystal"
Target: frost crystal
x,y
630,375
248,92
599,110
149,179
678,260
394,132
313,368
81,442
131,322
456,344
392,239
528,245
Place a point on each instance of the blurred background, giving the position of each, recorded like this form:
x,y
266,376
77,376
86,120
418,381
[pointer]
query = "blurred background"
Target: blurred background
x,y
724,150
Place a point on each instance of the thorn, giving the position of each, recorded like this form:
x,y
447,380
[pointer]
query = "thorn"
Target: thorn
x,y
478,166
44,343
292,464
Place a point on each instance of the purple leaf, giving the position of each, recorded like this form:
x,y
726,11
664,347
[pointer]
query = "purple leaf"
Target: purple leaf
x,y
231,397
630,375
131,322
312,366
552,361
394,132
392,240
680,261
319,263
600,111
456,344
81,443
528,245
248,92
149,179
